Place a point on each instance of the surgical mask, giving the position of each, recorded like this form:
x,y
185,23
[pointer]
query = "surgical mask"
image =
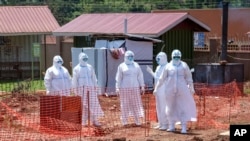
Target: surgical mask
x,y
130,58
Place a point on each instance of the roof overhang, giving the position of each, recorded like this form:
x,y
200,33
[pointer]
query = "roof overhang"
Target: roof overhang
x,y
144,37
74,33
26,33
100,34
135,36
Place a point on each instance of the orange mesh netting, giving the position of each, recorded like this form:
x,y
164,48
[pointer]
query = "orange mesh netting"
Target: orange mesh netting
x,y
216,104
29,116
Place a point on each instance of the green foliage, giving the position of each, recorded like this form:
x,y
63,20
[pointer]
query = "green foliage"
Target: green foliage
x,y
247,91
66,10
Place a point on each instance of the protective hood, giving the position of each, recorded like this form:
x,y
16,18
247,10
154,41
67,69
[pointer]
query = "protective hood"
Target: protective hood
x,y
83,59
129,57
161,58
57,61
176,57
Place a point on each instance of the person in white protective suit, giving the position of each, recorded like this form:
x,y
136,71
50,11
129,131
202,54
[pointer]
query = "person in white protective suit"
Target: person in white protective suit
x,y
57,79
178,80
84,83
129,86
160,96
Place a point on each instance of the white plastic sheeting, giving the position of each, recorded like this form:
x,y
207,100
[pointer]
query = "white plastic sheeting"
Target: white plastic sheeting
x,y
104,64
109,44
143,51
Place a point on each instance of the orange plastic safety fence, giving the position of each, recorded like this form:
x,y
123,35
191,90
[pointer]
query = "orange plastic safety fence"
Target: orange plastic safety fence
x,y
57,116
99,112
216,104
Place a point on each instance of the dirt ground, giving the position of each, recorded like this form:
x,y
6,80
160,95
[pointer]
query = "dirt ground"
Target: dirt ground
x,y
213,134
146,131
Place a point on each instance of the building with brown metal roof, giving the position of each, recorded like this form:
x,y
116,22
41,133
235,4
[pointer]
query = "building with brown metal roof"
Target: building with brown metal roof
x,y
26,20
174,29
22,28
238,21
145,24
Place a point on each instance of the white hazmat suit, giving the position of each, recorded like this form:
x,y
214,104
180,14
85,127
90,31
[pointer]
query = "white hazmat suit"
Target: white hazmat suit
x,y
129,86
57,79
160,96
83,81
179,89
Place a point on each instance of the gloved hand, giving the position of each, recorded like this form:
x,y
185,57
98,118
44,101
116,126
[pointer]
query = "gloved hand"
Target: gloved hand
x,y
154,92
47,92
117,91
142,90
72,92
191,88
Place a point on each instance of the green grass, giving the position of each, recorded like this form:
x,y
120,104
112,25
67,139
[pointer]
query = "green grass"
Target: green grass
x,y
26,85
246,91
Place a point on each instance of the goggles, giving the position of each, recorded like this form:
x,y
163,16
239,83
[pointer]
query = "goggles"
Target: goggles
x,y
130,57
59,62
85,59
158,59
176,57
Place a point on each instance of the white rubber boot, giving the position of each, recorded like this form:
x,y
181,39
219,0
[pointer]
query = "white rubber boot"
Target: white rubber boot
x,y
184,128
84,121
163,127
137,121
157,126
124,122
171,127
96,122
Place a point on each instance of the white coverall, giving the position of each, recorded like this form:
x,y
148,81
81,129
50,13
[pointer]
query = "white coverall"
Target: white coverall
x,y
129,80
179,89
160,96
84,80
57,79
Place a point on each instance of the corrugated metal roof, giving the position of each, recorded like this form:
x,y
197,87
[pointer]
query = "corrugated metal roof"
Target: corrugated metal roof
x,y
26,20
146,24
238,20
